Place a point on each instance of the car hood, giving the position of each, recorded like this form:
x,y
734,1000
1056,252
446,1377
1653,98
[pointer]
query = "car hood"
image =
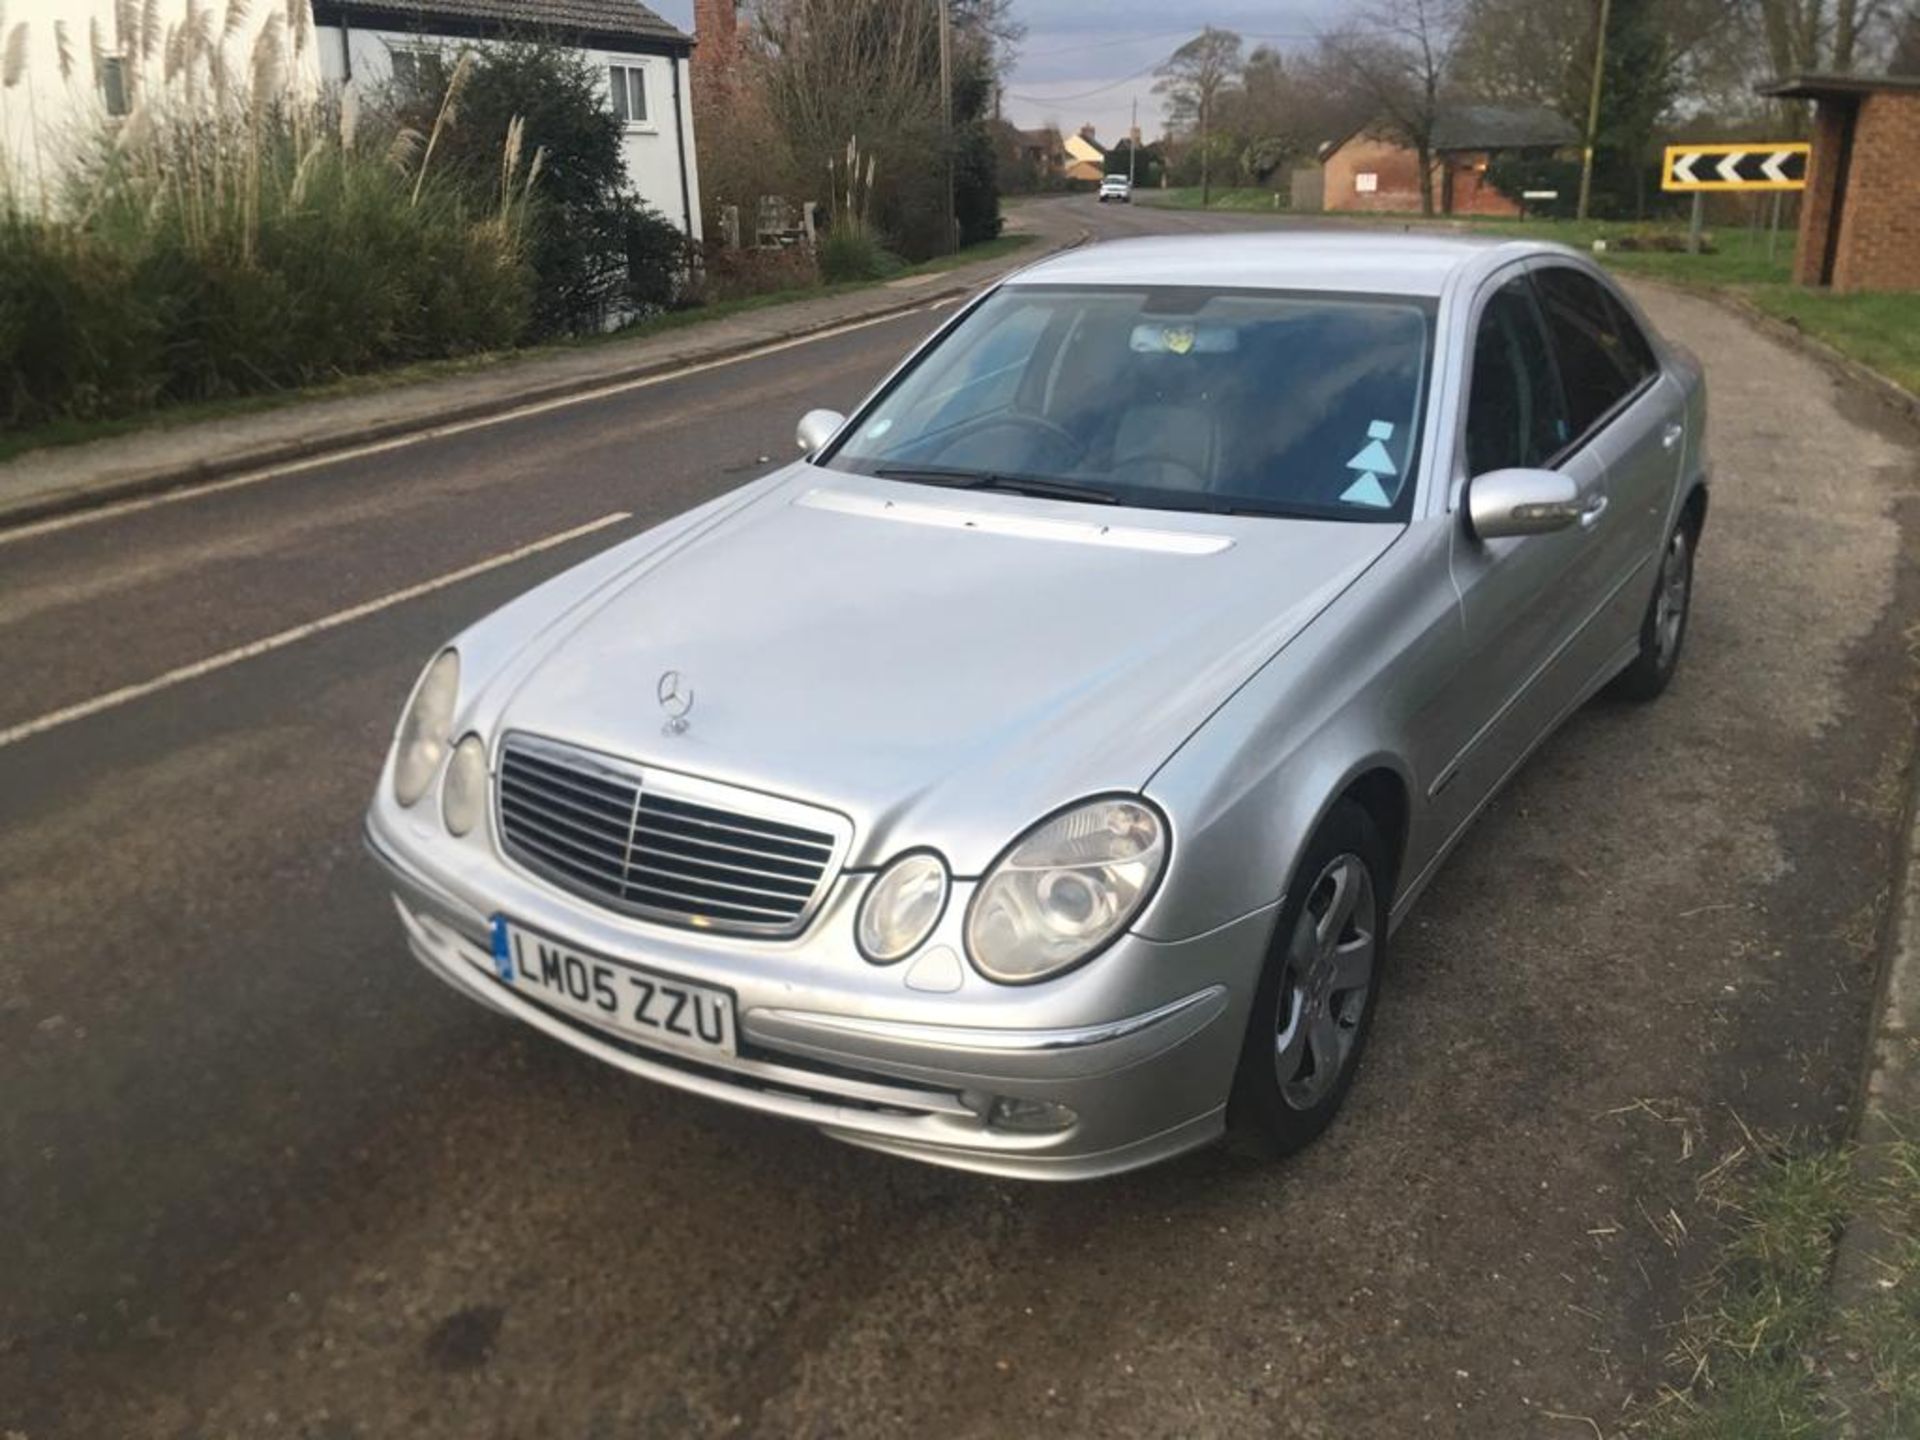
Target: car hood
x,y
942,667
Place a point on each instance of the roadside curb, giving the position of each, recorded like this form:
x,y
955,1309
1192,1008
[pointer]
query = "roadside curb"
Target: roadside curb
x,y
1889,1085
162,480
1867,1249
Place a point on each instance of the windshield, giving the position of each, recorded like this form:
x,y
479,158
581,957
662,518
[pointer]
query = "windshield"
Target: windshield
x,y
1189,398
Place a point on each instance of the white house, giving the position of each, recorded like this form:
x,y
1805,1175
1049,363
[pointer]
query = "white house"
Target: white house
x,y
642,62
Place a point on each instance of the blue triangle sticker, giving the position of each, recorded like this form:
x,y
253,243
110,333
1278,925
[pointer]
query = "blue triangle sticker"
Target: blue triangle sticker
x,y
1374,458
1366,491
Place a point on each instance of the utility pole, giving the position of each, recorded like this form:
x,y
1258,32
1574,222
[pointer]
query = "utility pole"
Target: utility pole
x,y
1593,110
1206,176
1133,144
946,114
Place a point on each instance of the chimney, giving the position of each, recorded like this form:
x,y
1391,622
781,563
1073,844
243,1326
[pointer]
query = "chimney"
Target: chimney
x,y
716,22
716,51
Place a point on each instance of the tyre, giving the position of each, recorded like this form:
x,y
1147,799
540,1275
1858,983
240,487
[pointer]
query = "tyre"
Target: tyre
x,y
1314,1008
1664,628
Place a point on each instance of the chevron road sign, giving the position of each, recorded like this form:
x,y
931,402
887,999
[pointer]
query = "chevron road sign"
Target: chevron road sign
x,y
1747,166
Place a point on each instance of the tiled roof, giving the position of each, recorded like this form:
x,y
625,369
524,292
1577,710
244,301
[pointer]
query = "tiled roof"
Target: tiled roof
x,y
1500,127
565,17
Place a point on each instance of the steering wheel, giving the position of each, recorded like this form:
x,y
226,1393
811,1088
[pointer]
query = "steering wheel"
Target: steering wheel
x,y
1058,445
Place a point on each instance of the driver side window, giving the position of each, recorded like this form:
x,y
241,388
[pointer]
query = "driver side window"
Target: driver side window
x,y
1516,416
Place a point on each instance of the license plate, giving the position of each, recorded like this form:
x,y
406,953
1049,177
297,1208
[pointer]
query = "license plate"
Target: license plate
x,y
641,1004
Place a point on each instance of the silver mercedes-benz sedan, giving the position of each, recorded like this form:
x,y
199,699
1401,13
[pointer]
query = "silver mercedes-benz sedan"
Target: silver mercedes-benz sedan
x,y
1030,777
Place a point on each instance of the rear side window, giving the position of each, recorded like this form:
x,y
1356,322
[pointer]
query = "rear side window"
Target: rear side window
x,y
1515,414
1603,356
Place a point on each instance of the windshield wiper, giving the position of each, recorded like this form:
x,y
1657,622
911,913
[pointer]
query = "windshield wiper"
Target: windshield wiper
x,y
1041,487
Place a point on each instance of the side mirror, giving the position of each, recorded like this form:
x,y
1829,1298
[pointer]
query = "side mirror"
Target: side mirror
x,y
817,427
1503,503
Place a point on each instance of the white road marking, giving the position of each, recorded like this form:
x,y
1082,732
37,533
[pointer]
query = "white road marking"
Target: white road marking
x,y
115,698
440,432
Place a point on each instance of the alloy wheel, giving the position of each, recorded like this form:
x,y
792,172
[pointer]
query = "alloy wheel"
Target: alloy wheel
x,y
1329,979
1670,601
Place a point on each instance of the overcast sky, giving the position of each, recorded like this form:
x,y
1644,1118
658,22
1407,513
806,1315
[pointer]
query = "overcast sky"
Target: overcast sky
x,y
1086,61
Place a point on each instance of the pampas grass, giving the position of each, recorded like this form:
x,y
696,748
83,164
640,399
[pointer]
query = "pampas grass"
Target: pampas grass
x,y
449,113
231,234
13,63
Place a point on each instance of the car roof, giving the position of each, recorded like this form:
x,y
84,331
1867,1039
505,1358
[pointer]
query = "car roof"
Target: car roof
x,y
1321,258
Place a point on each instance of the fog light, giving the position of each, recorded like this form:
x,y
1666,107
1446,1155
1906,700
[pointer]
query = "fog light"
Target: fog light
x,y
463,794
1030,1117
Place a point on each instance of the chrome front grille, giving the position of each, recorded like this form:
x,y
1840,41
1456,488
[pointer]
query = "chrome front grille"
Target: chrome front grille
x,y
663,845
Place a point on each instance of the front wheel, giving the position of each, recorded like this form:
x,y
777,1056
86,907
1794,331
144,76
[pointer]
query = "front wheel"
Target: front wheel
x,y
1314,1007
1664,627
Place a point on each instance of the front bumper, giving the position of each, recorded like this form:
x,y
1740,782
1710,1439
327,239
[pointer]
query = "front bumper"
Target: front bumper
x,y
823,1041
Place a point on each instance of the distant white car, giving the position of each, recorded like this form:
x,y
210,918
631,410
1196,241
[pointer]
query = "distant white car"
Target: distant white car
x,y
1116,187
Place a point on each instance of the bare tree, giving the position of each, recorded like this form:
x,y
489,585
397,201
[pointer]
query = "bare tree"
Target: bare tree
x,y
836,69
1401,55
1802,35
1906,44
1193,80
1521,52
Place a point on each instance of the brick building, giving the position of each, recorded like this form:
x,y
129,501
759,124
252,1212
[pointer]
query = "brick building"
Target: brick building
x,y
1860,216
1371,171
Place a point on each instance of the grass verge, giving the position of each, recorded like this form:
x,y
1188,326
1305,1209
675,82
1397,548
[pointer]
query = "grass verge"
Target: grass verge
x,y
74,432
1880,331
1767,1348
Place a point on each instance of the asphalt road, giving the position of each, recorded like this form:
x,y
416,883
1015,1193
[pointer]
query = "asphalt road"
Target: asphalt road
x,y
260,1176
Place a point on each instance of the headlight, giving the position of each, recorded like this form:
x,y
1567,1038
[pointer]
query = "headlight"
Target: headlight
x,y
1065,889
463,795
424,737
902,907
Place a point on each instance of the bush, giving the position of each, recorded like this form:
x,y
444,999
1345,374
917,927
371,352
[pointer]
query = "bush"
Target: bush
x,y
738,274
656,255
853,252
73,341
976,188
246,241
1513,175
596,252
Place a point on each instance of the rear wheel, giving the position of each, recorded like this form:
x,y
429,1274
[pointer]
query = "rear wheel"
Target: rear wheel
x,y
1314,1007
1663,630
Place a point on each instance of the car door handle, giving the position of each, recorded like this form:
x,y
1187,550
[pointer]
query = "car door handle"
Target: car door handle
x,y
1670,436
1593,510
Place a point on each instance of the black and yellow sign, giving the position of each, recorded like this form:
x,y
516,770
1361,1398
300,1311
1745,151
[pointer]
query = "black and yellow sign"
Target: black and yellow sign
x,y
1746,166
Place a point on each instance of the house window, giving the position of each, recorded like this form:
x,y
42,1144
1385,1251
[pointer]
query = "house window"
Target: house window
x,y
114,90
1367,182
407,66
629,93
